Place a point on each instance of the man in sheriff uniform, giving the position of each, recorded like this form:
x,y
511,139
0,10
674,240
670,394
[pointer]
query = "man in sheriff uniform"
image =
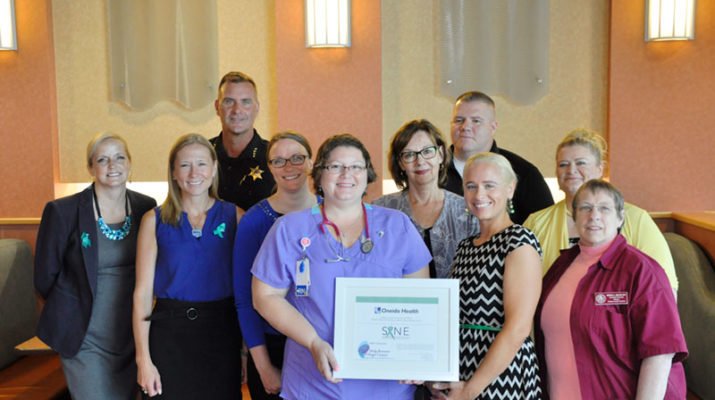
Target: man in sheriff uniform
x,y
244,178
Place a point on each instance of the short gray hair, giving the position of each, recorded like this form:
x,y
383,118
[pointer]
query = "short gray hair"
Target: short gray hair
x,y
599,185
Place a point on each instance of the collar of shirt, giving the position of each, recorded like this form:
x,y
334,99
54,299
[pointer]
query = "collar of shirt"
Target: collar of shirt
x,y
606,260
251,150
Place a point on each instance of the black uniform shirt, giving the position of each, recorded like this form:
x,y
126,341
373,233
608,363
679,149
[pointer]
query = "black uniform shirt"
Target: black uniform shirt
x,y
532,193
244,180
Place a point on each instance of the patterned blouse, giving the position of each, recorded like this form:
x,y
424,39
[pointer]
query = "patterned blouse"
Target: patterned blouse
x,y
453,224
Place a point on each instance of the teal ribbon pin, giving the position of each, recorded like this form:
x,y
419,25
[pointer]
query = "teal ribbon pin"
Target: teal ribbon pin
x,y
220,230
86,242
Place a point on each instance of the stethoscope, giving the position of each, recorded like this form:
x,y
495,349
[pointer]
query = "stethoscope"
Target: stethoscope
x,y
366,243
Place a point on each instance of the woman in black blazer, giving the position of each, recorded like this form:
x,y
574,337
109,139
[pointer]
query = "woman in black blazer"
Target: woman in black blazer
x,y
84,270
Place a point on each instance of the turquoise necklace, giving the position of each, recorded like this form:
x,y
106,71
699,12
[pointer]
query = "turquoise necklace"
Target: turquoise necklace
x,y
109,233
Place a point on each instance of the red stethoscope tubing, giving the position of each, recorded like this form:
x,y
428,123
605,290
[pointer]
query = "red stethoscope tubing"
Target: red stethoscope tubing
x,y
330,223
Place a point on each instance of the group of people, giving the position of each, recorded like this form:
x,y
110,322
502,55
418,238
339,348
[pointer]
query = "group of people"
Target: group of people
x,y
245,250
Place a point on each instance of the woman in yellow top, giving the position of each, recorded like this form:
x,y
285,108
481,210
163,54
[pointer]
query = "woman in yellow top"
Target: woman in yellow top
x,y
580,158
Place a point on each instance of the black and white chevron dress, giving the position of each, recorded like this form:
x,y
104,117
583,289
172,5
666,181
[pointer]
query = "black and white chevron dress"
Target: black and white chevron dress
x,y
480,270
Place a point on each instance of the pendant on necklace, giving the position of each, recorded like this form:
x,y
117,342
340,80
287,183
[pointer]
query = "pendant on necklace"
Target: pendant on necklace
x,y
366,245
196,233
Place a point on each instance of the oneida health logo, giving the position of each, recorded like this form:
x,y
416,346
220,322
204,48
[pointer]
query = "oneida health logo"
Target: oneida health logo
x,y
385,310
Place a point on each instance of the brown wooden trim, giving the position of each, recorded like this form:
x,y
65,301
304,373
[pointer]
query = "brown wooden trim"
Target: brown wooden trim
x,y
660,214
20,221
702,219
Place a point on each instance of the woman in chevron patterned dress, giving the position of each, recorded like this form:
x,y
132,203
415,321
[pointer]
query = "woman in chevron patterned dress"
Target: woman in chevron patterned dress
x,y
500,282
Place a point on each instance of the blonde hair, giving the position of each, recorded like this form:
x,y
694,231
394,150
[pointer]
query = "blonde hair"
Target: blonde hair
x,y
494,159
589,139
171,208
100,138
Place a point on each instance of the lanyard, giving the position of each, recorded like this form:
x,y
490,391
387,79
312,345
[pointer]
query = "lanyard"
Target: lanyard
x,y
365,241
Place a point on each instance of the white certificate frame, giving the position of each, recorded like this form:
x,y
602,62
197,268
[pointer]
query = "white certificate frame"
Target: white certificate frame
x,y
375,335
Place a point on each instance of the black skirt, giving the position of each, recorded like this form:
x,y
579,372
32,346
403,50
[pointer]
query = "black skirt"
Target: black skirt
x,y
196,347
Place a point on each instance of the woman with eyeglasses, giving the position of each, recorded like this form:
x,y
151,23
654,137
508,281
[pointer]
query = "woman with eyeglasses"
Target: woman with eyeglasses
x,y
289,161
418,163
607,324
295,270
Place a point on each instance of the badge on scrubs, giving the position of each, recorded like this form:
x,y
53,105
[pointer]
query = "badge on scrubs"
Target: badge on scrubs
x,y
611,298
302,277
304,243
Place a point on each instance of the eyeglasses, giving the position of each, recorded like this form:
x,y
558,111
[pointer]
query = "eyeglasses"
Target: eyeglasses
x,y
426,153
335,169
295,159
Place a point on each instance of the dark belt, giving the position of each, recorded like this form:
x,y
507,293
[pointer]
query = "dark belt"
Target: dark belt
x,y
193,313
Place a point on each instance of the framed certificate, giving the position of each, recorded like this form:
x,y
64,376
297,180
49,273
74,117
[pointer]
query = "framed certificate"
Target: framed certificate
x,y
404,329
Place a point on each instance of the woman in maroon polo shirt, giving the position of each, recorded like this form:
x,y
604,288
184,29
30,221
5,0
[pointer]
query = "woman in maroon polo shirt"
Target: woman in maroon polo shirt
x,y
607,324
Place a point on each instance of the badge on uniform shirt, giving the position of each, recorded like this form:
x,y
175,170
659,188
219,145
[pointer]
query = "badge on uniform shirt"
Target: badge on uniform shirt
x,y
304,243
302,277
611,298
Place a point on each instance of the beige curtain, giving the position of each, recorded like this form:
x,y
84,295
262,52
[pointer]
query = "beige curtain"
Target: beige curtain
x,y
163,50
500,47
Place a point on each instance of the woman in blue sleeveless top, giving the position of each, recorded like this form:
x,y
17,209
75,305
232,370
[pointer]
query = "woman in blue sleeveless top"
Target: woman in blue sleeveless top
x,y
189,346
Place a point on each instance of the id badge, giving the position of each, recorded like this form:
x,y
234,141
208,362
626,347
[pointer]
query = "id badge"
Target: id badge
x,y
611,299
302,277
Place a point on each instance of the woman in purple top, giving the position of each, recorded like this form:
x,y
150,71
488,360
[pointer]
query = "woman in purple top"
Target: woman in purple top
x,y
303,254
607,326
189,346
289,160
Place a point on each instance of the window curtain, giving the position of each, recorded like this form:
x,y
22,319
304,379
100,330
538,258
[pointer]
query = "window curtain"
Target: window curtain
x,y
500,47
163,50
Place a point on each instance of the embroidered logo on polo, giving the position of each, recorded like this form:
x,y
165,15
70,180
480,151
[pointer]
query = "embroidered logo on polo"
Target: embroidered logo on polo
x,y
611,298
